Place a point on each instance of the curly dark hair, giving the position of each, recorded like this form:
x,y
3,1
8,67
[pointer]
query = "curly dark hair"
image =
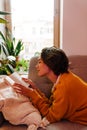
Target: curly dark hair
x,y
55,59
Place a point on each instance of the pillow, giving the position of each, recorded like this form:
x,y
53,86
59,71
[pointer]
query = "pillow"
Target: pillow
x,y
43,83
78,65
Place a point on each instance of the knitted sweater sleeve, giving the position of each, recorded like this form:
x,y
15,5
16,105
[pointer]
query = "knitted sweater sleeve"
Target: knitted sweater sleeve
x,y
54,108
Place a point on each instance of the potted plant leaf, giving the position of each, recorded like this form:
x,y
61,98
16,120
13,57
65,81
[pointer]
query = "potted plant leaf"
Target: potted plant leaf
x,y
10,45
10,48
2,20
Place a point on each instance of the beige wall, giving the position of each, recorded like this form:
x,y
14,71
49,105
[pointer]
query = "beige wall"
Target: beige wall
x,y
75,27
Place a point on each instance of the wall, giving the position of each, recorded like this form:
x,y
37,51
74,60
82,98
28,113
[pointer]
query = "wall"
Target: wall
x,y
75,27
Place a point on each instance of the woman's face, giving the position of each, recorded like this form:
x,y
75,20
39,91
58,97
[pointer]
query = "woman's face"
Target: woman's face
x,y
42,68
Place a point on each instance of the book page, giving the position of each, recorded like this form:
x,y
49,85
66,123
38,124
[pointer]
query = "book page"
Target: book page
x,y
15,77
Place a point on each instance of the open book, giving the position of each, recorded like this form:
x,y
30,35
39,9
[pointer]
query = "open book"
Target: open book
x,y
15,77
6,89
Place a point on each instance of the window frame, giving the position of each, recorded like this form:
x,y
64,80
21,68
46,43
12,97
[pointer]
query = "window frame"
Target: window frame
x,y
56,42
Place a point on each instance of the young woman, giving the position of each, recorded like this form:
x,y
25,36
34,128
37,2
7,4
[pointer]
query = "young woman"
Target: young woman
x,y
69,93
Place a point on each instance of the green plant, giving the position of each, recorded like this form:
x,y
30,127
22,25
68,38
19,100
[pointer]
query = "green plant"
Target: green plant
x,y
9,45
3,13
5,67
10,48
22,65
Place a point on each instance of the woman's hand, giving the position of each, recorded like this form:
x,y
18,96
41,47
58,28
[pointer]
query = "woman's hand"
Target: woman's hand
x,y
30,91
29,81
22,89
44,122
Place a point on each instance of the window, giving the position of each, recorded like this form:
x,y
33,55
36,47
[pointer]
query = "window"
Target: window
x,y
33,22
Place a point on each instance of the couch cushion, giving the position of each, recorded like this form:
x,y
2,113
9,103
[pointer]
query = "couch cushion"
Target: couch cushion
x,y
78,65
8,126
65,125
43,83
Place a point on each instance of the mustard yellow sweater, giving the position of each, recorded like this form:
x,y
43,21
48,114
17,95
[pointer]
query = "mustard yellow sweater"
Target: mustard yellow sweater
x,y
68,100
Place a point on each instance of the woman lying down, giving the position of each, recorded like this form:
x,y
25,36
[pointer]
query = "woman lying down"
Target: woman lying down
x,y
17,109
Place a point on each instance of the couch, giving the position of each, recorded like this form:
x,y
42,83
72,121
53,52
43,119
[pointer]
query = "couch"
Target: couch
x,y
78,65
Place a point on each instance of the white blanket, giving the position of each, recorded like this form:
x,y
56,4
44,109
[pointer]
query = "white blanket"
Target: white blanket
x,y
17,109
